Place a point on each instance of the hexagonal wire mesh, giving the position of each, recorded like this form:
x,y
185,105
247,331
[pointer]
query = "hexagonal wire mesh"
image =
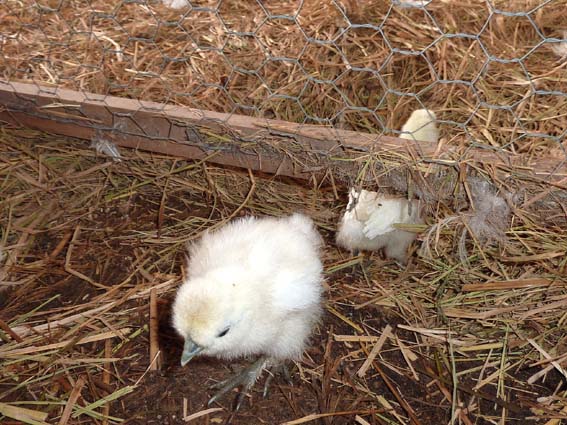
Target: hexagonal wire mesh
x,y
493,71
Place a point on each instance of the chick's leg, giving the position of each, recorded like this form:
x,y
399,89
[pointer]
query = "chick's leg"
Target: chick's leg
x,y
280,369
354,269
246,378
358,269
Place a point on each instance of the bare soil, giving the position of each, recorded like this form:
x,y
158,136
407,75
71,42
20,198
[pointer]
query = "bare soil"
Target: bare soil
x,y
128,242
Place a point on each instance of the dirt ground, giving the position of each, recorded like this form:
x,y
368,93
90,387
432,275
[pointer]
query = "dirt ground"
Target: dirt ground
x,y
135,217
477,335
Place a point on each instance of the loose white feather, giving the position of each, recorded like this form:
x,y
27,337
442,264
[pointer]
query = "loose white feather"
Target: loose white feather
x,y
261,278
108,148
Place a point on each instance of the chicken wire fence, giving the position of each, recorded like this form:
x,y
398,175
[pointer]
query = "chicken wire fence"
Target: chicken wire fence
x,y
492,71
302,88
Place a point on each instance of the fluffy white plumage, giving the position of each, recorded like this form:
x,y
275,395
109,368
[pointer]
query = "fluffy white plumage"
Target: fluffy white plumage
x,y
253,288
421,126
368,223
560,49
175,4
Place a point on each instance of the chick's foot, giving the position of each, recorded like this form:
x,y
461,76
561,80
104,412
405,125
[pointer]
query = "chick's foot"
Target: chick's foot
x,y
246,378
280,369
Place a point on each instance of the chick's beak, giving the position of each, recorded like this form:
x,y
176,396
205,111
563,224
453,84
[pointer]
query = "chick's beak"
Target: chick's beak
x,y
190,350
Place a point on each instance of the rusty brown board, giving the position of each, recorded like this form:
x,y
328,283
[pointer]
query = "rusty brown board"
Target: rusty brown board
x,y
231,139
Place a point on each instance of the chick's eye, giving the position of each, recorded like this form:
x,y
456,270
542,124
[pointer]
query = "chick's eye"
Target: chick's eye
x,y
223,333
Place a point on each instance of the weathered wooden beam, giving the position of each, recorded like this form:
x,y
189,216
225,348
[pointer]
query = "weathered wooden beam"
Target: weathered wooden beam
x,y
271,146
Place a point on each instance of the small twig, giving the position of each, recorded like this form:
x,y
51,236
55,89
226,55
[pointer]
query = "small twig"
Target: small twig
x,y
408,356
61,245
106,378
386,333
154,332
315,416
248,196
201,413
33,349
507,285
75,273
545,354
514,408
398,396
163,201
361,420
6,328
455,380
73,397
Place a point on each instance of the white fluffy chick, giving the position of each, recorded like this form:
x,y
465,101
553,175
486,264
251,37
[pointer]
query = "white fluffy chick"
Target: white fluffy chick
x,y
421,126
253,287
368,224
175,4
560,49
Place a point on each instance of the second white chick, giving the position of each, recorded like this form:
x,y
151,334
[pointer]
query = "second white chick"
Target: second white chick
x,y
421,126
253,288
176,4
368,224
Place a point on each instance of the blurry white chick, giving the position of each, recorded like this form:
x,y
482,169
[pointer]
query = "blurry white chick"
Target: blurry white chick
x,y
411,3
368,224
253,288
560,49
421,126
176,4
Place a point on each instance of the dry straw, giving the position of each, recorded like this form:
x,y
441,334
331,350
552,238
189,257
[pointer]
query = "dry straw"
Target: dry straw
x,y
472,331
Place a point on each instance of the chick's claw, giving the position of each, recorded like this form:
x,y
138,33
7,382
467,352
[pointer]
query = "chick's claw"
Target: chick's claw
x,y
246,378
281,369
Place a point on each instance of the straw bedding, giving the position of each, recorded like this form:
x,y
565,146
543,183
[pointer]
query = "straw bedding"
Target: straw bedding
x,y
472,331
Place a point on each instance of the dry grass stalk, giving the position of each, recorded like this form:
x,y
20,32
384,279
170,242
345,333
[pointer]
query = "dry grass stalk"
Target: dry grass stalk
x,y
22,414
197,415
73,397
155,354
448,313
435,302
386,333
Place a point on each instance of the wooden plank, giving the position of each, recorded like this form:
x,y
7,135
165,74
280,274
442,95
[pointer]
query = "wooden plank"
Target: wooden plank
x,y
271,146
